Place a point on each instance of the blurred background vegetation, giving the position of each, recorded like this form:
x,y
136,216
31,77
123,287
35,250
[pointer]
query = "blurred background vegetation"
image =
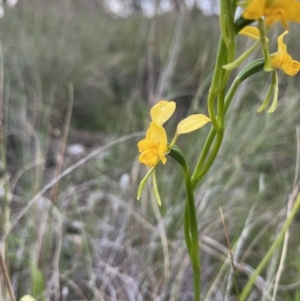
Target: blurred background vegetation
x,y
78,80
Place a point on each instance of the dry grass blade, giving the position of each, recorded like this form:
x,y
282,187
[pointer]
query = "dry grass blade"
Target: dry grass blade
x,y
68,171
290,204
6,278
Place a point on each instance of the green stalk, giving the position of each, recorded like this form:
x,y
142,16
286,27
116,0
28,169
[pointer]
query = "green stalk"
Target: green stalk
x,y
224,16
211,158
225,55
191,223
209,140
273,247
265,46
201,169
187,235
221,106
218,72
228,11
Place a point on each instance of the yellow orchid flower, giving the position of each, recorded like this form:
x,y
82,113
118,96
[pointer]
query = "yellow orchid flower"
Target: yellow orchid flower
x,y
282,60
154,147
279,60
273,11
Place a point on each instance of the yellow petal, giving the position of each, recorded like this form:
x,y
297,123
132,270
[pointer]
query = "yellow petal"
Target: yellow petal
x,y
281,45
276,60
157,134
192,123
146,144
162,111
154,147
162,151
282,10
290,67
273,11
282,60
292,10
255,9
149,158
251,32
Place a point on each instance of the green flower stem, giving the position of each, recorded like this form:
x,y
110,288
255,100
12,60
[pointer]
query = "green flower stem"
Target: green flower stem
x,y
273,247
226,21
218,72
211,158
190,222
228,8
265,46
225,55
221,106
201,169
223,21
232,11
220,78
225,76
187,234
227,16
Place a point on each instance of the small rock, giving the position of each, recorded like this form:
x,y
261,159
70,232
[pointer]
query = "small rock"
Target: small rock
x,y
124,181
76,150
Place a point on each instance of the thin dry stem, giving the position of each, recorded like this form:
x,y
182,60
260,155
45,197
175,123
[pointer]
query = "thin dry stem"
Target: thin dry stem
x,y
169,68
6,278
227,239
163,237
283,254
297,167
290,206
65,173
64,140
